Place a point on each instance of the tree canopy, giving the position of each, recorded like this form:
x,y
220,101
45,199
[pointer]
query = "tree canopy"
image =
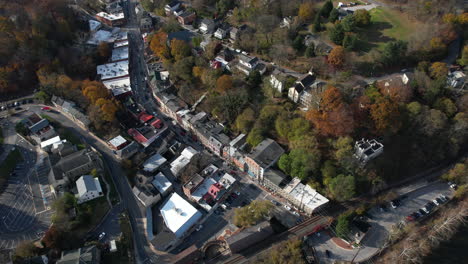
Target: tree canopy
x,y
252,213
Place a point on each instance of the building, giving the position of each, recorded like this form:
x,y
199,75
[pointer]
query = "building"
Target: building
x,y
300,85
233,152
94,26
320,46
247,64
146,134
279,79
249,237
192,185
153,163
114,8
171,7
162,184
47,144
88,188
119,54
275,180
207,26
39,128
179,215
112,20
84,255
72,166
211,135
366,150
146,24
146,194
311,96
236,32
119,38
187,17
263,157
71,111
222,31
303,196
128,151
456,79
114,70
183,160
118,142
286,22
170,104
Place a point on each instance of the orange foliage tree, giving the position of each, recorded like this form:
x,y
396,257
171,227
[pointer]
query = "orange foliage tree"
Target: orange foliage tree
x,y
386,116
94,91
438,70
108,108
224,84
337,57
158,45
179,49
334,118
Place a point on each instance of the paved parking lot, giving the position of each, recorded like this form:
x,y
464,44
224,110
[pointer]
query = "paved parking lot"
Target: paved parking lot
x,y
25,202
381,225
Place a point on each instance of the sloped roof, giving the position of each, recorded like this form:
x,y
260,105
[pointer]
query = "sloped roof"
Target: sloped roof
x,y
266,152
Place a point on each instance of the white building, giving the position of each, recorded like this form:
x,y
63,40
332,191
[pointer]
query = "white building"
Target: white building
x,y
178,164
119,86
153,163
303,196
367,149
179,215
114,70
162,184
119,54
88,188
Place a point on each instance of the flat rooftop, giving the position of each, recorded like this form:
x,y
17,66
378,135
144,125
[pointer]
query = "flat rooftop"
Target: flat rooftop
x,y
179,215
154,162
111,17
117,141
161,183
309,197
119,54
113,70
118,86
197,195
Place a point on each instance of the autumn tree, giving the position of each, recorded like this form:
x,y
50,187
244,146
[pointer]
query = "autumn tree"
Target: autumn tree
x,y
158,45
397,90
52,237
393,52
337,57
458,174
362,17
94,91
26,249
224,84
463,61
306,11
108,107
438,70
245,120
179,49
104,51
386,116
198,71
334,118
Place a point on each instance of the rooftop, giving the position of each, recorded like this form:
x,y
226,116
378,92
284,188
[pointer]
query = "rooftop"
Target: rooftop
x,y
198,194
87,183
154,162
305,194
117,141
119,54
248,59
111,17
113,70
161,183
84,255
276,177
94,25
118,86
182,161
179,215
194,182
266,152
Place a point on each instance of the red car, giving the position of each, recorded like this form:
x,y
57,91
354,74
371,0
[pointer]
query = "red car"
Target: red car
x,y
45,108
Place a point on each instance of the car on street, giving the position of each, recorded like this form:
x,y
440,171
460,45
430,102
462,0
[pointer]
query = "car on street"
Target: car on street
x,y
422,211
436,202
102,235
45,108
287,207
296,213
199,227
443,198
395,203
276,203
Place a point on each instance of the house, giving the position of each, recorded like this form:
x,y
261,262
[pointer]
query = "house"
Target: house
x,y
311,96
207,26
211,135
153,163
114,8
222,31
192,185
249,237
279,79
286,22
72,166
233,152
146,24
88,188
128,151
112,20
84,255
299,86
320,47
171,7
39,128
262,157
162,184
247,64
275,180
187,17
118,142
69,109
183,160
236,32
146,134
303,196
146,194
179,215
120,87
456,79
47,144
366,150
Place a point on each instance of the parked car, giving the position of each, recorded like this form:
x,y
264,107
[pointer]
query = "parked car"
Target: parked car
x,y
444,198
102,235
436,202
440,201
395,203
199,227
287,207
422,212
275,202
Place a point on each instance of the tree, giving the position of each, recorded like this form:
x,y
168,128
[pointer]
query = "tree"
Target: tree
x,y
349,24
446,105
344,152
179,49
334,117
336,34
254,79
108,108
333,15
182,69
306,11
300,163
463,61
95,91
343,227
224,84
255,136
350,41
158,45
26,249
317,27
288,252
310,51
386,116
245,121
104,51
438,70
52,238
393,52
342,187
326,9
198,71
337,57
212,49
43,96
362,17
458,173
253,213
298,43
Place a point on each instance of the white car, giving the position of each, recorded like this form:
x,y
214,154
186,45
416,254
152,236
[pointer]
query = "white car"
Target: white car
x,y
436,202
199,227
102,235
287,207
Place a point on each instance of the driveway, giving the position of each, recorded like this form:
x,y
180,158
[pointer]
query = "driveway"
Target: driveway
x,y
381,225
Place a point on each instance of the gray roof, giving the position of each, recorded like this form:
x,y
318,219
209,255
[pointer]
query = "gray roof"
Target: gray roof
x,y
128,150
85,184
84,255
249,236
307,80
276,177
72,161
248,59
266,152
39,126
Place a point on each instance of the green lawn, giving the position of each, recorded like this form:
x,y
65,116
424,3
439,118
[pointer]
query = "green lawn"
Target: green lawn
x,y
8,166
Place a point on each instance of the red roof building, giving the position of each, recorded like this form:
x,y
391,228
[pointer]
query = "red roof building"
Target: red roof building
x,y
144,117
157,123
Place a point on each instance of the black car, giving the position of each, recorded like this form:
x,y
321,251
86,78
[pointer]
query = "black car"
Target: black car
x,y
421,211
395,203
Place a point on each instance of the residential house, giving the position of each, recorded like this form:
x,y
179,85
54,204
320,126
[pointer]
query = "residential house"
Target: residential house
x,y
279,79
262,157
39,128
299,86
171,7
366,150
456,80
234,33
211,135
192,185
72,166
170,104
183,160
222,31
146,194
84,255
247,64
207,26
128,151
89,188
275,180
118,142
311,96
153,163
162,184
187,17
233,152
